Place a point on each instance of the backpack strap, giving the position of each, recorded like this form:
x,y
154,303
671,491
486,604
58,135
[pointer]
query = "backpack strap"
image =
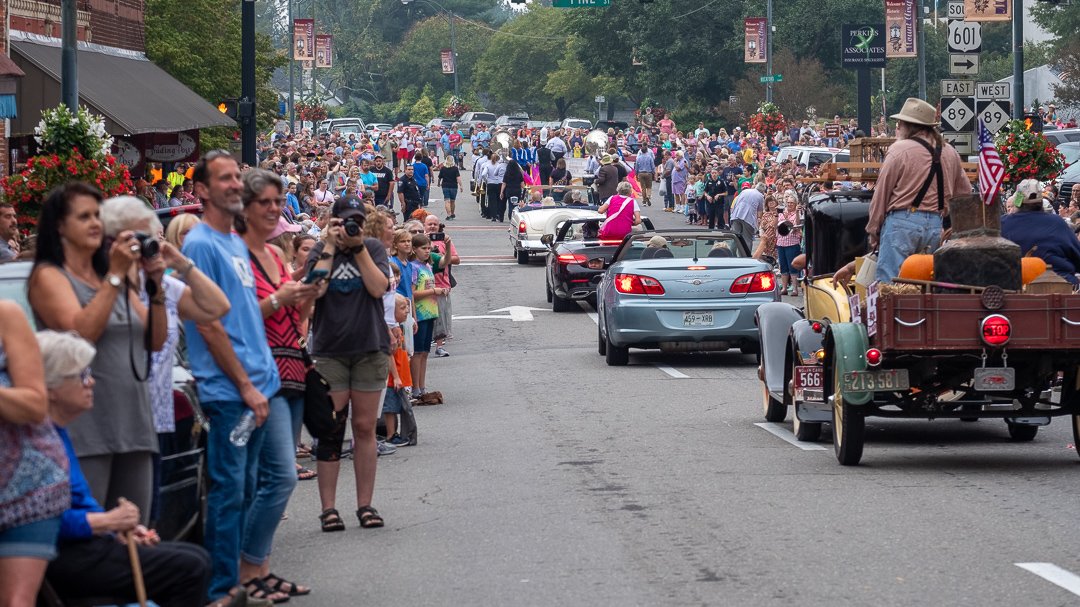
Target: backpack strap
x,y
935,171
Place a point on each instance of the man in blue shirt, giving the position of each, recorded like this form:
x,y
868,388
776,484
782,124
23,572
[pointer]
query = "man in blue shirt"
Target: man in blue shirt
x,y
728,176
422,175
644,171
234,369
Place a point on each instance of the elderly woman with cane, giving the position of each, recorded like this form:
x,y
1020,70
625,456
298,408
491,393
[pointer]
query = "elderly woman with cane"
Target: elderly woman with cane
x,y
93,559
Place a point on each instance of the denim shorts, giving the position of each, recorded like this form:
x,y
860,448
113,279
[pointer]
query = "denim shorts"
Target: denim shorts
x,y
392,402
425,332
35,540
787,255
449,193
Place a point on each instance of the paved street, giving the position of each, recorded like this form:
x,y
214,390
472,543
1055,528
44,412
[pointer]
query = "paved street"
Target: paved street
x,y
549,478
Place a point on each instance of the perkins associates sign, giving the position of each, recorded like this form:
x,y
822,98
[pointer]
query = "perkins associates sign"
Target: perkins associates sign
x,y
863,45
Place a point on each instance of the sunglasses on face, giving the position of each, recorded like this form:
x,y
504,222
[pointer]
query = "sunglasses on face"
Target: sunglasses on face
x,y
86,376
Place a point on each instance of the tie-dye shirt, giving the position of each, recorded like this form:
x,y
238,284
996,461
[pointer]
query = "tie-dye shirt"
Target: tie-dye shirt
x,y
426,308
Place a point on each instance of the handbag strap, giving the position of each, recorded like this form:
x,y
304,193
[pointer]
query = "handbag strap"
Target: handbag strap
x,y
300,341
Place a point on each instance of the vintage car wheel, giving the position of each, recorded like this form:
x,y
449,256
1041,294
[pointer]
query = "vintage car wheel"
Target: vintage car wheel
x,y
775,410
1023,433
616,356
601,343
558,304
848,427
808,432
523,257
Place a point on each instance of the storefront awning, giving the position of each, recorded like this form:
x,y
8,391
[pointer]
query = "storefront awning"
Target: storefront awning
x,y
9,76
132,94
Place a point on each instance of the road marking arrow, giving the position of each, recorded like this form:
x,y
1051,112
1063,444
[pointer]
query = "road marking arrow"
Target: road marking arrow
x,y
519,313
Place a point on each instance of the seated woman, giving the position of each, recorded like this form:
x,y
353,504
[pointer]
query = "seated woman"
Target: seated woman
x,y
1046,234
93,559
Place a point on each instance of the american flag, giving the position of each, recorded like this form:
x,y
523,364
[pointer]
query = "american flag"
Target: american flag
x,y
991,170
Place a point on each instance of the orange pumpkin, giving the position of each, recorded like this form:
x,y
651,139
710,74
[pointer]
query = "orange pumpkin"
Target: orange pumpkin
x,y
1031,268
918,267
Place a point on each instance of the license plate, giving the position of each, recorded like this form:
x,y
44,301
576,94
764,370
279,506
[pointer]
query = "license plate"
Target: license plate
x,y
995,379
809,377
697,319
881,380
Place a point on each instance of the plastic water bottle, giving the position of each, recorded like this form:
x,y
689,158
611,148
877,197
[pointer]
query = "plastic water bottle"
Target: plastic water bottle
x,y
241,434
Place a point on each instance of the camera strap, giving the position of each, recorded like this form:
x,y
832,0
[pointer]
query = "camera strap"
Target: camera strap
x,y
151,291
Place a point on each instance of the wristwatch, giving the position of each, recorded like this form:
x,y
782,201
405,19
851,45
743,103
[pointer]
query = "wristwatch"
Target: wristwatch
x,y
114,281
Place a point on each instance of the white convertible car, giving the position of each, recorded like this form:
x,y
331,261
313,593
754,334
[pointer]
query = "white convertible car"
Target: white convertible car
x,y
528,224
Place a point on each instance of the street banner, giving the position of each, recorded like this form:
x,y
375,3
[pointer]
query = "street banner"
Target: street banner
x,y
863,45
324,50
446,56
987,10
755,46
900,18
303,39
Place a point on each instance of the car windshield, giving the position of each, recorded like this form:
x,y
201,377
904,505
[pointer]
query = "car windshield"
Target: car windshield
x,y
682,247
580,230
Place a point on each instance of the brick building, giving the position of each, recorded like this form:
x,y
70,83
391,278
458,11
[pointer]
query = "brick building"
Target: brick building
x,y
152,116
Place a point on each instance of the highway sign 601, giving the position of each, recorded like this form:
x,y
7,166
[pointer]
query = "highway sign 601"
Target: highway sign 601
x,y
965,37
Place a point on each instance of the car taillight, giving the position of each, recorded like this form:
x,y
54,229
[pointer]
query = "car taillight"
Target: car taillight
x,y
816,327
760,282
633,284
571,258
996,330
521,227
873,357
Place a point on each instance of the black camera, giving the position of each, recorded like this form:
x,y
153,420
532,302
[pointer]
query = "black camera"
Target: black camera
x,y
149,247
352,226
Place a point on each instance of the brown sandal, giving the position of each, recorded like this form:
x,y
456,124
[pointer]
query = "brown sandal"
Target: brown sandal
x,y
331,520
369,517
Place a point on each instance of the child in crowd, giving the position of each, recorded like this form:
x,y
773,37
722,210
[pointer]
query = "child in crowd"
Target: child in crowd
x,y
401,255
399,385
690,209
702,215
427,308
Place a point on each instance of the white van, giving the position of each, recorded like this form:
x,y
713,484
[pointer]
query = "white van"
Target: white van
x,y
811,157
576,123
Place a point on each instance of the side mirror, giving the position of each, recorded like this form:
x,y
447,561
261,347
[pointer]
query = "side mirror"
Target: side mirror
x,y
547,239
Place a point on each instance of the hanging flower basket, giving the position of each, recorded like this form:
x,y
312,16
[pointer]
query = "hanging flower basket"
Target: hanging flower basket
x,y
310,112
1027,155
456,108
767,120
71,147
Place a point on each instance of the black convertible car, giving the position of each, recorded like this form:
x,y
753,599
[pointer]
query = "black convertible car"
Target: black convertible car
x,y
576,260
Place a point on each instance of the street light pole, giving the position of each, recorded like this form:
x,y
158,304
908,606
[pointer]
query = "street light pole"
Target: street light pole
x,y
292,71
1018,59
247,82
768,50
922,49
69,61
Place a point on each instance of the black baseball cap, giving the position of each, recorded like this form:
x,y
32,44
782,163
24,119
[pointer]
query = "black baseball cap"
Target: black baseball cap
x,y
348,206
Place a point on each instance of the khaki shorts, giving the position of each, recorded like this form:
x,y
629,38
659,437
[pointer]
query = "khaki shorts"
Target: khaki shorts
x,y
644,180
362,373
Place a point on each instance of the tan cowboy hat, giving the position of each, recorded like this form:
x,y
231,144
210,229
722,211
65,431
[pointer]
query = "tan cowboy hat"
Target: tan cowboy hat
x,y
917,111
606,159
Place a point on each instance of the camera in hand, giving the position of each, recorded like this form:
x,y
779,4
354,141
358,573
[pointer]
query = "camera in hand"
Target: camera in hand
x,y
149,246
352,226
438,236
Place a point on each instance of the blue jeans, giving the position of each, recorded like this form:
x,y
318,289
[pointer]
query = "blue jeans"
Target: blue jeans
x,y
227,465
906,233
270,481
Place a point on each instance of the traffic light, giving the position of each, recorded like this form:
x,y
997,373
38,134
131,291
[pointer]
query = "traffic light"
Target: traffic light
x,y
1033,122
229,107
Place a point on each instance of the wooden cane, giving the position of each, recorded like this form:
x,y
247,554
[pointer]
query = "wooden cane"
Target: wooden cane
x,y
136,566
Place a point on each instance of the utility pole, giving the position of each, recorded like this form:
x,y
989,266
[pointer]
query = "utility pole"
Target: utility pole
x,y
246,109
1018,59
292,71
923,11
69,60
768,49
453,49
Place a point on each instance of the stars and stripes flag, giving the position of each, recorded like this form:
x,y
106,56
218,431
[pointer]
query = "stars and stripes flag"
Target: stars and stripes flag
x,y
991,169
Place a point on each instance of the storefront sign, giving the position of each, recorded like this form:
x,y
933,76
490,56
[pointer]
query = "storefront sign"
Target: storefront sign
x,y
184,149
756,43
900,19
864,46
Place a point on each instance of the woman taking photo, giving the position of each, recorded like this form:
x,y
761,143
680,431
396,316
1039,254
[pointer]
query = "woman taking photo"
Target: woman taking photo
x,y
351,347
86,283
450,182
34,489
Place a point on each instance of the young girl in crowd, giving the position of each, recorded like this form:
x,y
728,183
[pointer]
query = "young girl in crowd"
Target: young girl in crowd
x,y
399,384
401,255
702,214
427,309
690,210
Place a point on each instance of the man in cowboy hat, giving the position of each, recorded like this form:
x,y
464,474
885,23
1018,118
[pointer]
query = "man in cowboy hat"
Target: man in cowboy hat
x,y
919,176
607,178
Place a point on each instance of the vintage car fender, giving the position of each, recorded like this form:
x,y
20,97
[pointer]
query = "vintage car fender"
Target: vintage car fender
x,y
805,342
774,321
848,353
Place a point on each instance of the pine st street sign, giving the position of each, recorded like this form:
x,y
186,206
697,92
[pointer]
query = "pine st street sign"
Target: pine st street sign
x,y
957,88
579,3
957,114
965,64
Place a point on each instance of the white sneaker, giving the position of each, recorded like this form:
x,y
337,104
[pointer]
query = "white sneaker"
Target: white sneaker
x,y
441,352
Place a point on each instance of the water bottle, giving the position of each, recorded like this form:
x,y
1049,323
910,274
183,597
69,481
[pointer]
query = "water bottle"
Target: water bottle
x,y
241,434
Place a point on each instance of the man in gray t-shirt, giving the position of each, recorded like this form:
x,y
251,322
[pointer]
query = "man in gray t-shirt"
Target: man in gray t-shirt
x,y
9,232
745,213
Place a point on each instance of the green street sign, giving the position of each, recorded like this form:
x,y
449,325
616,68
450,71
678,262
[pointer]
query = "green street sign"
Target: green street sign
x,y
773,78
579,3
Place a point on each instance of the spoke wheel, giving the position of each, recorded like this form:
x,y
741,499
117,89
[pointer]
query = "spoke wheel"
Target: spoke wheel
x,y
848,426
775,410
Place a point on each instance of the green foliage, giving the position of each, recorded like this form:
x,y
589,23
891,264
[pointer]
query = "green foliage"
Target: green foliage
x,y
198,41
514,64
423,110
